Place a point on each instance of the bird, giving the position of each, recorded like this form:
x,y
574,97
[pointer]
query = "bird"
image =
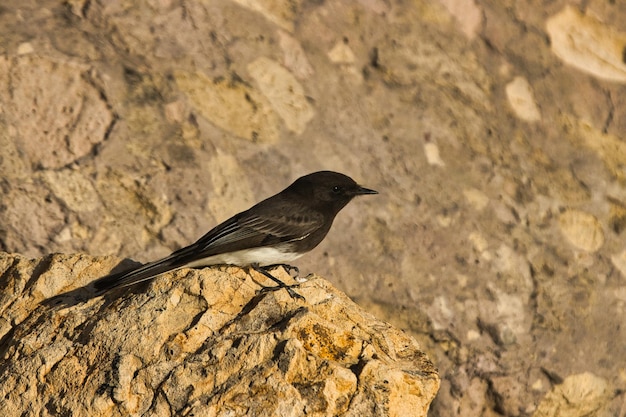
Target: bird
x,y
274,232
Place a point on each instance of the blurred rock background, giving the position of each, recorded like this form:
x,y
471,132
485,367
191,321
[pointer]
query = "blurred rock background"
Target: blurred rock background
x,y
493,130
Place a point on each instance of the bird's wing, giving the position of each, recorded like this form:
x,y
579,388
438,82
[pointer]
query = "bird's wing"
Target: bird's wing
x,y
252,229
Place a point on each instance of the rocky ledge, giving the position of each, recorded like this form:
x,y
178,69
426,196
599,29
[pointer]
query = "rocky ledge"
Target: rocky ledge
x,y
196,342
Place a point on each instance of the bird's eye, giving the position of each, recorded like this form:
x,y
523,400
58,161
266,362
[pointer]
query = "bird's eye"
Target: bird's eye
x,y
336,189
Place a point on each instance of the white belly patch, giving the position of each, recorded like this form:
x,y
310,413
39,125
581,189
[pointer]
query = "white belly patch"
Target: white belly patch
x,y
260,256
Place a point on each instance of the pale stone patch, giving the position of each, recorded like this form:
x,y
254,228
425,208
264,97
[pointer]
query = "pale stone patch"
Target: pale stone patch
x,y
431,151
582,230
25,48
76,191
587,44
232,106
479,243
467,14
341,54
521,98
281,13
284,92
476,198
619,261
577,396
294,57
66,114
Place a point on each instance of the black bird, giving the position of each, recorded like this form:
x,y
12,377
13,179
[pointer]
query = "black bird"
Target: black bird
x,y
275,231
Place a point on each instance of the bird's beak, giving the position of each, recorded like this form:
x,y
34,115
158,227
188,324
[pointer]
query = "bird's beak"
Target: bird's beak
x,y
362,191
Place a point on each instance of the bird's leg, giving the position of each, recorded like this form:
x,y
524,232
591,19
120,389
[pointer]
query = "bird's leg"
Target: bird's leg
x,y
281,284
288,268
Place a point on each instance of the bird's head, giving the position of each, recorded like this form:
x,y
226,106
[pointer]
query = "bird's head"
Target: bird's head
x,y
329,189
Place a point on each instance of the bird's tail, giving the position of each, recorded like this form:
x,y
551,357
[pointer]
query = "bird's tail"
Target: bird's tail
x,y
145,272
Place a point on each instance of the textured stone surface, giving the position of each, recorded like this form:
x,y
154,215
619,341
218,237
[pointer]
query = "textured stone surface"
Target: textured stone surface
x,y
197,343
586,43
66,114
577,396
495,131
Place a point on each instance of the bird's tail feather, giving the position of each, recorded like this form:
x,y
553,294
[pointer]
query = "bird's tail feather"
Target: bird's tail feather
x,y
134,276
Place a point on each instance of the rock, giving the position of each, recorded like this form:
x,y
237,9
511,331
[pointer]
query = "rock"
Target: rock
x,y
197,342
467,13
588,44
51,95
431,150
294,57
579,395
520,96
619,261
611,149
282,13
507,394
476,198
341,54
284,92
582,230
231,105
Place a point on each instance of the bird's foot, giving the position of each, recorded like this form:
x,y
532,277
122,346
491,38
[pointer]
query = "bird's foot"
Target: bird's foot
x,y
289,289
288,268
280,285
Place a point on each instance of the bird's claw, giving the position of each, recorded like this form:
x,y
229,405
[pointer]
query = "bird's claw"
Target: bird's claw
x,y
281,284
288,269
289,289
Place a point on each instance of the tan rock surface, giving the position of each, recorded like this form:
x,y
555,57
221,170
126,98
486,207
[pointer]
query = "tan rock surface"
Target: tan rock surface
x,y
577,396
586,43
197,343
